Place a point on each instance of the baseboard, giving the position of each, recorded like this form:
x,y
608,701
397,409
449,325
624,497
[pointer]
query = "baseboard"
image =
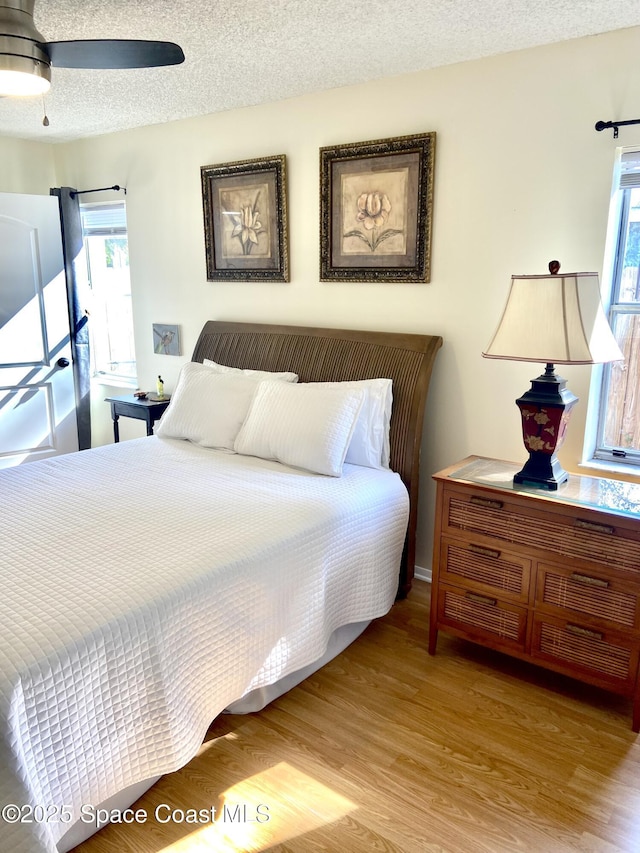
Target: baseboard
x,y
422,574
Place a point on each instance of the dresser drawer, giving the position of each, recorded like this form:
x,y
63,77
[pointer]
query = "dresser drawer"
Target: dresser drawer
x,y
588,592
606,658
490,570
482,617
570,533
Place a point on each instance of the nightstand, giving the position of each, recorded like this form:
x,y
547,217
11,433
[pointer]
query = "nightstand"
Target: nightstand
x,y
551,577
129,406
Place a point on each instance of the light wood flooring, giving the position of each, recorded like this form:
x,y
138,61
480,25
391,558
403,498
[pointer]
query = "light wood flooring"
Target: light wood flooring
x,y
388,749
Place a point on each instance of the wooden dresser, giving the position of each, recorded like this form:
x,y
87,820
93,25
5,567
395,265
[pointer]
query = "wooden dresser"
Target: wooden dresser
x,y
549,577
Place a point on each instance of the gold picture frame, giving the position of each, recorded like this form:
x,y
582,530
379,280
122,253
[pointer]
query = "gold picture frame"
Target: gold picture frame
x,y
376,210
245,220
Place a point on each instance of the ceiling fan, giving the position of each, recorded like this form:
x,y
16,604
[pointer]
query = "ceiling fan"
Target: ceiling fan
x,y
26,58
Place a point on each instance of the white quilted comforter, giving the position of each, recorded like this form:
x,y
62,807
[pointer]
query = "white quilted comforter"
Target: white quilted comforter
x,y
148,585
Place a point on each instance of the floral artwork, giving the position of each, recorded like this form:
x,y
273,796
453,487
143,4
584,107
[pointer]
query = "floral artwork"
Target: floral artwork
x,y
166,339
373,209
376,202
245,220
380,225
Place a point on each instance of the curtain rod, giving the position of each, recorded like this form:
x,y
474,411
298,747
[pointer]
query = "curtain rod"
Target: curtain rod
x,y
74,193
604,125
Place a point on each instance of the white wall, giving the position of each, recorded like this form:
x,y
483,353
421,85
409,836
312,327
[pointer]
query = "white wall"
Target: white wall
x,y
521,177
26,167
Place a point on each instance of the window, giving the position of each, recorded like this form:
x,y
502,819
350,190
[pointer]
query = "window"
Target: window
x,y
104,227
617,437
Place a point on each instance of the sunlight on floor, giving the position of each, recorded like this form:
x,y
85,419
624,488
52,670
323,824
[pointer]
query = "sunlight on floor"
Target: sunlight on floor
x,y
275,805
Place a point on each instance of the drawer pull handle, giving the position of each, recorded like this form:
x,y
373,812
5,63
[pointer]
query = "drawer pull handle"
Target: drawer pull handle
x,y
594,527
474,499
484,552
589,581
481,599
579,631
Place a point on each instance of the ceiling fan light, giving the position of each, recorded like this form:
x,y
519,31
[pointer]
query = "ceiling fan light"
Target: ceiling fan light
x,y
22,76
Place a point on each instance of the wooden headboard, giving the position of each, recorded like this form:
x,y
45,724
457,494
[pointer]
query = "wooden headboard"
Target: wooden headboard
x,y
338,355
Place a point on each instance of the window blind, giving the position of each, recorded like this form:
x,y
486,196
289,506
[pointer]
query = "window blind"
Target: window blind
x,y
105,219
630,169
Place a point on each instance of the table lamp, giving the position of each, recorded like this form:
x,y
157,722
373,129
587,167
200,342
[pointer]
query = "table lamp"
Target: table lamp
x,y
554,319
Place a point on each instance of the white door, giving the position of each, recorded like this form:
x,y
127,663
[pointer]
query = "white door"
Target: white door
x,y
37,397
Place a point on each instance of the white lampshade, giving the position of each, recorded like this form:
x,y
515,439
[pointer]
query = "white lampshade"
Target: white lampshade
x,y
554,319
23,76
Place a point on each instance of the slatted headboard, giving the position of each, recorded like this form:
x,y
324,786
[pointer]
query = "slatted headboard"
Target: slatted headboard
x,y
338,355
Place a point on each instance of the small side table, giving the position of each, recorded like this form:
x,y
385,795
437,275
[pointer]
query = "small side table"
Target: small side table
x,y
129,406
550,577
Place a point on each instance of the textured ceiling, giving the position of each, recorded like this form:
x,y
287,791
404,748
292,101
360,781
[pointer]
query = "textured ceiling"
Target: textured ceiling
x,y
243,54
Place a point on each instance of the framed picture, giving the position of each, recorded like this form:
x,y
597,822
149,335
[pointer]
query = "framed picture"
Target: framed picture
x,y
245,220
376,210
166,339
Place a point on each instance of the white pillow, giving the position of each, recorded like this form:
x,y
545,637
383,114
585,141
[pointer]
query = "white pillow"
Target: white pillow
x,y
303,425
370,444
255,374
207,408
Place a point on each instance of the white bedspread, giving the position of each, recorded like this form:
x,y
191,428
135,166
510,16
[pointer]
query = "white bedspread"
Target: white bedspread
x,y
146,586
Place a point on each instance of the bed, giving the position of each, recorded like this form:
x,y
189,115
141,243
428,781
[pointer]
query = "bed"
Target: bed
x,y
150,585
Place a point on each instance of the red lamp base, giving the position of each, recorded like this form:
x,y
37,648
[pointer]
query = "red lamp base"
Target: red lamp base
x,y
545,411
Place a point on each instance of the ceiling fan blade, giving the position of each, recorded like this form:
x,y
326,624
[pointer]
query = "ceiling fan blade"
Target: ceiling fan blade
x,y
113,53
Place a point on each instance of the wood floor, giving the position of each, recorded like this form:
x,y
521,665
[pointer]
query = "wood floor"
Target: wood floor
x,y
388,749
